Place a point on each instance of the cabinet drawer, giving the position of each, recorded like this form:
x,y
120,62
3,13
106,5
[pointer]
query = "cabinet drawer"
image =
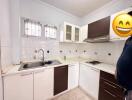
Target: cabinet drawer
x,y
109,96
109,77
112,88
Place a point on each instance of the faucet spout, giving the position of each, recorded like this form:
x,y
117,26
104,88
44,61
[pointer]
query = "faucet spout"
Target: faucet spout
x,y
42,53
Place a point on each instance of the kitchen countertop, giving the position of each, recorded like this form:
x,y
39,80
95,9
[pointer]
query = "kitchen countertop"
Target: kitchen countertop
x,y
104,67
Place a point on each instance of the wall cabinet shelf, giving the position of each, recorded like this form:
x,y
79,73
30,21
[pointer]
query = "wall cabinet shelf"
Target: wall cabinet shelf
x,y
69,33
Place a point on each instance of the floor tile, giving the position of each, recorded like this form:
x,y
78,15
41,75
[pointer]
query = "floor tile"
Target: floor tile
x,y
75,94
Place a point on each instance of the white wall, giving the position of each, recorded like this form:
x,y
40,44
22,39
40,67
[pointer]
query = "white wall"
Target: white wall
x,y
46,14
5,33
5,47
102,49
106,10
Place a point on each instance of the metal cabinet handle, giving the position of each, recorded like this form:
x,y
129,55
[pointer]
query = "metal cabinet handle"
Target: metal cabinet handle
x,y
71,65
39,71
110,93
25,74
62,67
110,84
94,69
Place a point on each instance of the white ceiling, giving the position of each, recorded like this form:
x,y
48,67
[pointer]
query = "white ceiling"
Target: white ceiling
x,y
77,7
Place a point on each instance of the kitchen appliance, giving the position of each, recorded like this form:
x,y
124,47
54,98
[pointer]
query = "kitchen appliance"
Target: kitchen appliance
x,y
98,31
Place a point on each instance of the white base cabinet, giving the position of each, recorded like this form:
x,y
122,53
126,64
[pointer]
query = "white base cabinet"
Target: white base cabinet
x,y
36,85
18,87
73,76
43,84
89,80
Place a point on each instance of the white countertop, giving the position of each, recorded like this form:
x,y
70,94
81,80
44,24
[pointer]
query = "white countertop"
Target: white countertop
x,y
104,67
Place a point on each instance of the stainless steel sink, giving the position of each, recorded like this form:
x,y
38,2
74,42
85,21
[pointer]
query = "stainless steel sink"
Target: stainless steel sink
x,y
31,65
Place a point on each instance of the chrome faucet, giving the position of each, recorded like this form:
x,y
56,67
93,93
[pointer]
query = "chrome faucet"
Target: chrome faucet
x,y
42,53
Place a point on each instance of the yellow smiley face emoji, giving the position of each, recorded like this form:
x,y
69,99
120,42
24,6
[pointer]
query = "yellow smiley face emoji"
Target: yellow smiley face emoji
x,y
122,25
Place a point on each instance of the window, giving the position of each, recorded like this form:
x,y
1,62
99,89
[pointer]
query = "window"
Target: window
x,y
50,31
32,28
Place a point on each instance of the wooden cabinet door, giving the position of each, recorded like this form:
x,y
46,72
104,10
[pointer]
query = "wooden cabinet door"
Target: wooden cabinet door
x,y
18,87
43,84
109,89
60,79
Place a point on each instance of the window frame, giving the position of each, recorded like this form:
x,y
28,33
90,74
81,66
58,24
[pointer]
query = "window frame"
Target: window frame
x,y
42,37
52,27
22,30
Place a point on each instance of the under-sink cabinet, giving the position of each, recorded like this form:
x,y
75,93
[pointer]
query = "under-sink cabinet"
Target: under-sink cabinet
x,y
37,85
89,80
18,86
43,84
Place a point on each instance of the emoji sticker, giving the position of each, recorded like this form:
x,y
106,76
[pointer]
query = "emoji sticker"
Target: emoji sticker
x,y
122,25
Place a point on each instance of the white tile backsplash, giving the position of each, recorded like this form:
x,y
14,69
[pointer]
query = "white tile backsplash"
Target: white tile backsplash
x,y
100,51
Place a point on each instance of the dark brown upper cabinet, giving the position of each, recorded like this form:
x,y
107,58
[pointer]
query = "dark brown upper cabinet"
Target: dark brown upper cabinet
x,y
99,28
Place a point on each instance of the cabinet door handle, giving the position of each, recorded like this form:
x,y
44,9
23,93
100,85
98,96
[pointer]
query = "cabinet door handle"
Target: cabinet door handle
x,y
110,93
95,69
39,71
25,74
110,84
71,65
62,67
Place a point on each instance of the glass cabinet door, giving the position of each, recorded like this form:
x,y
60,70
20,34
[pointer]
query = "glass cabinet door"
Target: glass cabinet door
x,y
68,32
77,34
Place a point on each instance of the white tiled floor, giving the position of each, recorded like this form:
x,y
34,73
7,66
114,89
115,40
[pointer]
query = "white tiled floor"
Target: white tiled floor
x,y
75,94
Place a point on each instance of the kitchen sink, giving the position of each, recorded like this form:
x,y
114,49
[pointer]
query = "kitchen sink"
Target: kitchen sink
x,y
94,62
31,65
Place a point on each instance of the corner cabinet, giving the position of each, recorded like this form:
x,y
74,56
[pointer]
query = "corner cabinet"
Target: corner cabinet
x,y
18,87
69,33
89,80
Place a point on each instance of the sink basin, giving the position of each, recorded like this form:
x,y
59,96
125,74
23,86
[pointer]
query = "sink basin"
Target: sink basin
x,y
94,62
39,64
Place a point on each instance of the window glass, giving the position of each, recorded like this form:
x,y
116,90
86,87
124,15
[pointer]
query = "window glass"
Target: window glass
x,y
50,31
32,28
